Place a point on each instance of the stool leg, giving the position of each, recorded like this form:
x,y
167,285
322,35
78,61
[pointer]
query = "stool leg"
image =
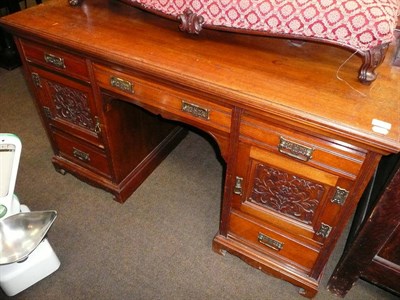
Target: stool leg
x,y
371,60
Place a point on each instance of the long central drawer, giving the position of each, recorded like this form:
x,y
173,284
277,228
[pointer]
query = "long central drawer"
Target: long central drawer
x,y
181,104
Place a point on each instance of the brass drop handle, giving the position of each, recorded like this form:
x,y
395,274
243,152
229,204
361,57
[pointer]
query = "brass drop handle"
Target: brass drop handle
x,y
196,110
295,150
122,84
270,242
54,60
83,156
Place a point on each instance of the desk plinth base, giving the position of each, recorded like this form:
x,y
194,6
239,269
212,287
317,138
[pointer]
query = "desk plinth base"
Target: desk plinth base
x,y
308,286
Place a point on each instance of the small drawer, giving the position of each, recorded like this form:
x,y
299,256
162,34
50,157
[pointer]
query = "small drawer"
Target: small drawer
x,y
273,242
55,59
337,158
81,153
181,104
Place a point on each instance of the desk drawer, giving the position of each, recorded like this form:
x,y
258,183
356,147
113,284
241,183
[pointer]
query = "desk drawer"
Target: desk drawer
x,y
181,104
55,59
335,158
273,242
81,153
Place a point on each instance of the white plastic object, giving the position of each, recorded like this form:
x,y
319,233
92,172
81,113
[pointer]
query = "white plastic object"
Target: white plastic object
x,y
42,262
10,153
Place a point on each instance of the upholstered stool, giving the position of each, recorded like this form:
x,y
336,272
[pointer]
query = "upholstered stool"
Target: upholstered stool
x,y
365,26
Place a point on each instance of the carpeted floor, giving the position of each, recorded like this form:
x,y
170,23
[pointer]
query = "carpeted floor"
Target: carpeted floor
x,y
155,246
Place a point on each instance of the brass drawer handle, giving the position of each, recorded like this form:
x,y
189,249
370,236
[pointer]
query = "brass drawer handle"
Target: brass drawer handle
x,y
83,156
54,60
295,150
122,84
195,110
270,242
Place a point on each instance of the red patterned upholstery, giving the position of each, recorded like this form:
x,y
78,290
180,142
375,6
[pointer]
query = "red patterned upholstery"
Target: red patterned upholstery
x,y
358,24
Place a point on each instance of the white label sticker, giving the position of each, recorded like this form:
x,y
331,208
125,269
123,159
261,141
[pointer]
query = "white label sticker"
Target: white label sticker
x,y
382,124
380,130
381,127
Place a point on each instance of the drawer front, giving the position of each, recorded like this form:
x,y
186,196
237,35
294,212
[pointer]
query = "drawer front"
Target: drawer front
x,y
335,158
55,59
81,153
181,104
274,243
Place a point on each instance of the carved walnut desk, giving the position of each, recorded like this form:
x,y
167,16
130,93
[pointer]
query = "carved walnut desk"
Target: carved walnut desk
x,y
299,134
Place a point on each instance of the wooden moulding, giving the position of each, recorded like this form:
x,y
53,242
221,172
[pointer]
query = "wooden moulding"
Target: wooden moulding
x,y
193,24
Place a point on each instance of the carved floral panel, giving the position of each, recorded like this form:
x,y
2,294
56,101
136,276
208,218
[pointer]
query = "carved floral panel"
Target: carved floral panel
x,y
286,193
71,105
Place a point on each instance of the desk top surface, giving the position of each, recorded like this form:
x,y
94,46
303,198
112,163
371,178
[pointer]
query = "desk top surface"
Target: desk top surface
x,y
314,85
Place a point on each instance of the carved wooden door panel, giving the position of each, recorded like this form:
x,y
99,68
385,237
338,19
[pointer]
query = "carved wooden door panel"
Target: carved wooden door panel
x,y
67,105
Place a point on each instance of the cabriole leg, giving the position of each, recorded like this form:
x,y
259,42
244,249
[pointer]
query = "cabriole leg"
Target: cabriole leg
x,y
371,60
